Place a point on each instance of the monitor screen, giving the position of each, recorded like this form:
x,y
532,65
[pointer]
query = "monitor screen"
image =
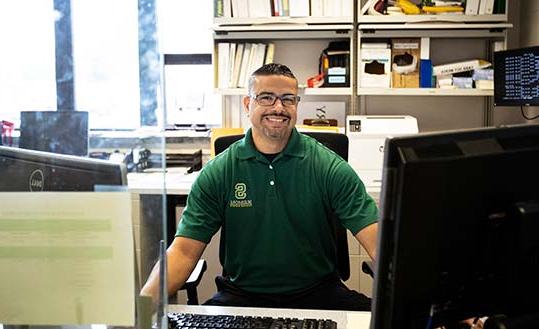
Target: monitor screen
x,y
459,227
516,77
64,132
28,170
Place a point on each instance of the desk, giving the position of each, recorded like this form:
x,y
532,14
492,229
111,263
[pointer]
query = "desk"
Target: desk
x,y
344,319
178,181
149,188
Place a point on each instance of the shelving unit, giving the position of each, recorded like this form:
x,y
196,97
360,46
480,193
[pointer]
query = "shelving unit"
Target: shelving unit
x,y
364,18
302,91
423,92
493,36
300,40
297,44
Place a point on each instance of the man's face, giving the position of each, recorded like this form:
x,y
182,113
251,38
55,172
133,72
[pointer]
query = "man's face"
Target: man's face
x,y
272,121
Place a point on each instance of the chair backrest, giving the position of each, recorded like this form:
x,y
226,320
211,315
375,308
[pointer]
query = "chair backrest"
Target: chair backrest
x,y
338,143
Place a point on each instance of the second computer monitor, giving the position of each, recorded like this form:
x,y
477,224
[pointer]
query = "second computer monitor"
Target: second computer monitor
x,y
64,132
459,228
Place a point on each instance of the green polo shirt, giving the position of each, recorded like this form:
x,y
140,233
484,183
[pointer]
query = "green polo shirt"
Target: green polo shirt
x,y
275,215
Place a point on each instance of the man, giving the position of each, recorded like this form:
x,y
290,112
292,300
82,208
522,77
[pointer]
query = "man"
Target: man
x,y
271,193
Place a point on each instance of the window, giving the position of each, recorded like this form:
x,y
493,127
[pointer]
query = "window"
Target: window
x,y
105,60
186,37
27,73
106,65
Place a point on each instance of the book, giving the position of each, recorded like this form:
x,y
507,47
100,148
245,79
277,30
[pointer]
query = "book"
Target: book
x,y
258,60
270,53
223,49
244,65
347,8
240,8
227,8
472,7
332,8
218,8
259,8
230,68
237,66
451,68
250,65
317,8
486,7
285,6
299,8
425,73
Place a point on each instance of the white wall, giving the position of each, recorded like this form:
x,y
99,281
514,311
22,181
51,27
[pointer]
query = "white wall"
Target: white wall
x,y
529,23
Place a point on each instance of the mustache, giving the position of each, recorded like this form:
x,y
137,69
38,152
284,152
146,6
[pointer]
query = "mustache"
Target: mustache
x,y
275,114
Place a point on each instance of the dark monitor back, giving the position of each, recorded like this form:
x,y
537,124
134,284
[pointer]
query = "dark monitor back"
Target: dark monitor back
x,y
28,170
64,132
452,239
516,77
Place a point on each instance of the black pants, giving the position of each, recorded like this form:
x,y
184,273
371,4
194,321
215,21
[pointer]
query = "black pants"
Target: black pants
x,y
329,294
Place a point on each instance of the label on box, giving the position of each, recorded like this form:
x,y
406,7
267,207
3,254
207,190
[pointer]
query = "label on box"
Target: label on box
x,y
336,79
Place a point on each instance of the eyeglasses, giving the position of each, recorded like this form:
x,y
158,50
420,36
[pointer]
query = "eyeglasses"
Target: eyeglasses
x,y
270,99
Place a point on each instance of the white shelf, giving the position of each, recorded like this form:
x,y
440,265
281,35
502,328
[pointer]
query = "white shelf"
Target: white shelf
x,y
327,91
423,92
302,91
222,21
435,26
281,27
432,18
231,91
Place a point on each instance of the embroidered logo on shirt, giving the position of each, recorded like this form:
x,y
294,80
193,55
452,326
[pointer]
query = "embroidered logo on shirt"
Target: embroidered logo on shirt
x,y
240,193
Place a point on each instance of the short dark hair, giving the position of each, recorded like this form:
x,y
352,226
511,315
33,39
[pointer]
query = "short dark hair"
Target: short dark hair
x,y
270,69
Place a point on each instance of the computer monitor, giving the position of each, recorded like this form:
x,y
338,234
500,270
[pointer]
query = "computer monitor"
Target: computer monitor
x,y
516,77
28,170
459,227
64,132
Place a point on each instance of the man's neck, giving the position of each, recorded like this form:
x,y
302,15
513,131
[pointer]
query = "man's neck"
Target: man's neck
x,y
267,145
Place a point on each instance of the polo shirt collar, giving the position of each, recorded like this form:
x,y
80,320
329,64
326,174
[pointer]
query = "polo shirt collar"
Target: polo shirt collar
x,y
294,147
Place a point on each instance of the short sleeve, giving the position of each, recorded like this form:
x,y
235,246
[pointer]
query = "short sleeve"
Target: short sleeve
x,y
202,216
349,200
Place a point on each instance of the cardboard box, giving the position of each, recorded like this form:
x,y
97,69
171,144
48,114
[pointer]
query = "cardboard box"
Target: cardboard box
x,y
375,66
405,58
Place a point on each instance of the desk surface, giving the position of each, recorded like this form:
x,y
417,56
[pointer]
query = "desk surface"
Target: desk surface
x,y
345,320
178,181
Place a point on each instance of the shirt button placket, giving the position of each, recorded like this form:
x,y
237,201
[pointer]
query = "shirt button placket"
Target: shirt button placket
x,y
272,176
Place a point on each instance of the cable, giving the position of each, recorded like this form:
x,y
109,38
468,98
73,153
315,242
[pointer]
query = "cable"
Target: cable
x,y
525,116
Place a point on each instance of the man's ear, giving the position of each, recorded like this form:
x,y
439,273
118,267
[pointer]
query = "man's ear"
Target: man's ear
x,y
246,101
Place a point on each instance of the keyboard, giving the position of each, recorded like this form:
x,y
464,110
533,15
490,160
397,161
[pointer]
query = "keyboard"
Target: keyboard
x,y
205,321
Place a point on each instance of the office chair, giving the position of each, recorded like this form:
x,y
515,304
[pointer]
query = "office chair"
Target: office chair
x,y
192,283
338,143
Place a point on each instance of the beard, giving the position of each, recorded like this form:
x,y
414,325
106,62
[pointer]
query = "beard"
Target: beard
x,y
276,131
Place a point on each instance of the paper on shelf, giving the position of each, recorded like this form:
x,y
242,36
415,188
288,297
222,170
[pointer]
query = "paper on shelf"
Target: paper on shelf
x,y
66,258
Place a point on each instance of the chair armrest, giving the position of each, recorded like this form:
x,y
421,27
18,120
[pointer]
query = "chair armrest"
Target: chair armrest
x,y
196,275
368,267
